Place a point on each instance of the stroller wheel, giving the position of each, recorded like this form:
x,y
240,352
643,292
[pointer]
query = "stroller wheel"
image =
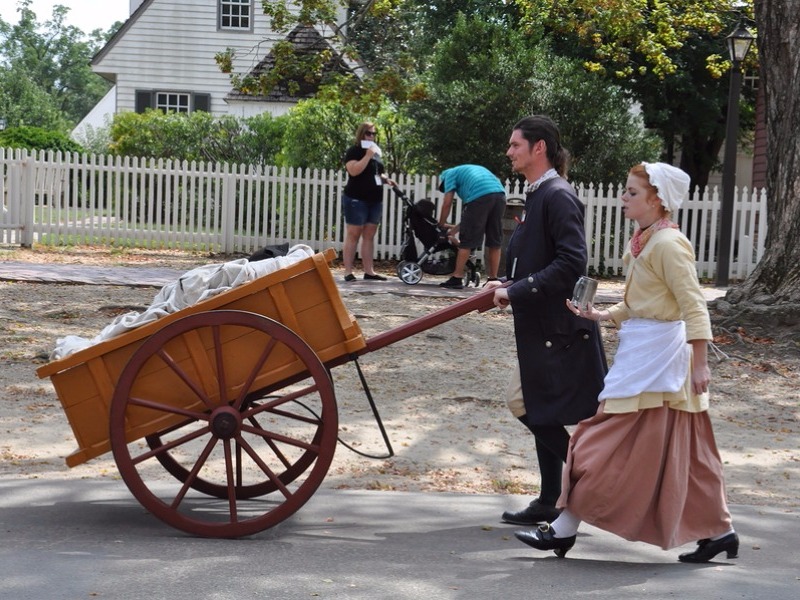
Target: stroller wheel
x,y
472,276
409,272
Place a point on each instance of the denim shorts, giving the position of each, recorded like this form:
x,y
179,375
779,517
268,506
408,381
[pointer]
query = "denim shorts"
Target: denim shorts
x,y
359,212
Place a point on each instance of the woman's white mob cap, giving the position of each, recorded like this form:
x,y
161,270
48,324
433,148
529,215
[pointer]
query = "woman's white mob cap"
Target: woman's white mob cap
x,y
671,182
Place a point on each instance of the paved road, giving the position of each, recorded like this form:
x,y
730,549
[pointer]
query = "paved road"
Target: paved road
x,y
83,539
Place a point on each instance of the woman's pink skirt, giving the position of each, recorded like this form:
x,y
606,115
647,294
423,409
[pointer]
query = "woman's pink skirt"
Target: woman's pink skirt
x,y
652,476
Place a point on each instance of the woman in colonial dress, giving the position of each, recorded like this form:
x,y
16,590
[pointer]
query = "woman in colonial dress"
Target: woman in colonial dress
x,y
646,466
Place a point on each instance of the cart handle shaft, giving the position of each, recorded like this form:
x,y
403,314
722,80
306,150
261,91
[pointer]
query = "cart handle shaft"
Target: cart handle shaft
x,y
482,301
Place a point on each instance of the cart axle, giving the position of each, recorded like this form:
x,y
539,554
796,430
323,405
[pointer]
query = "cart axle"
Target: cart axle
x,y
226,422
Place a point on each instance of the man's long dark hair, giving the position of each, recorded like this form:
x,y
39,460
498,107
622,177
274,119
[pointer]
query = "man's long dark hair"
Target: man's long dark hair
x,y
539,127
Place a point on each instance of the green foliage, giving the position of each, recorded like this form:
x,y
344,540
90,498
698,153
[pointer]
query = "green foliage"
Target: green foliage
x,y
596,119
630,38
398,141
484,78
24,102
689,108
317,134
669,55
198,137
283,18
54,58
433,21
158,135
96,140
476,88
36,138
320,130
263,136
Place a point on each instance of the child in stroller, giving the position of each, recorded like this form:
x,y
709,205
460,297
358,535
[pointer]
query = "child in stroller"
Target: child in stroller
x,y
439,252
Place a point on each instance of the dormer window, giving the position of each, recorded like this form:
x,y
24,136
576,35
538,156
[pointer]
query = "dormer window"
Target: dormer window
x,y
236,14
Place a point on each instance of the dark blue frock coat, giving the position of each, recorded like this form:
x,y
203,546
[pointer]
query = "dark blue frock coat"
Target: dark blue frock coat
x,y
561,356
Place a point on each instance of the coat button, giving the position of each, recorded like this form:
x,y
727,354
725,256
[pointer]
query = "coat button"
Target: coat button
x,y
548,344
530,279
586,336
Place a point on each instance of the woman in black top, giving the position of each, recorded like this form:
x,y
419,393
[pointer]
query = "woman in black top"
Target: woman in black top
x,y
362,200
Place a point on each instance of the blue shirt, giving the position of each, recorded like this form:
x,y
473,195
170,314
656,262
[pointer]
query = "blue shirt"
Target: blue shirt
x,y
470,182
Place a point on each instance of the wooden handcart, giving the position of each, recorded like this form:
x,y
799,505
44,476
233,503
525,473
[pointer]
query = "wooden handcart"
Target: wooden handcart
x,y
222,417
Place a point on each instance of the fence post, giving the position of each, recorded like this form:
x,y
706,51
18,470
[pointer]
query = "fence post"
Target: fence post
x,y
27,194
228,216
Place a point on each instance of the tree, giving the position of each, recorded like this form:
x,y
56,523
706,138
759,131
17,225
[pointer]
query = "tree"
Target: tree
x,y
317,134
770,296
54,58
666,53
476,88
598,123
629,37
23,102
484,77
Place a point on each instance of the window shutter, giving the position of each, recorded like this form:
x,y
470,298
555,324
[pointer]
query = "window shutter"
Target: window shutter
x,y
202,102
144,100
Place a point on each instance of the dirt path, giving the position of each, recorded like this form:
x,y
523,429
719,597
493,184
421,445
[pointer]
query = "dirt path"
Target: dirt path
x,y
439,394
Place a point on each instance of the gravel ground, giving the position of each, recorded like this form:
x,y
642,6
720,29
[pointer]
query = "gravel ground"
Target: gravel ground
x,y
439,393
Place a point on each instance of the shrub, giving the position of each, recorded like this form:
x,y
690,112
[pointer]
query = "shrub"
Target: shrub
x,y
36,138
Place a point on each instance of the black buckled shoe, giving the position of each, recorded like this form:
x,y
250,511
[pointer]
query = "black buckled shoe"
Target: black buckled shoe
x,y
533,514
543,538
708,549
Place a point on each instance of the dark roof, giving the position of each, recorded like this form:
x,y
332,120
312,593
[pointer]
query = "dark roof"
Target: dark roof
x,y
306,40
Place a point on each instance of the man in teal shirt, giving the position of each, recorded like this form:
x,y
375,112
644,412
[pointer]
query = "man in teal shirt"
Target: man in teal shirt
x,y
484,201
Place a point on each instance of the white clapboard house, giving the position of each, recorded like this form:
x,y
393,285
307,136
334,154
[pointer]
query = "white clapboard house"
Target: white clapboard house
x,y
163,57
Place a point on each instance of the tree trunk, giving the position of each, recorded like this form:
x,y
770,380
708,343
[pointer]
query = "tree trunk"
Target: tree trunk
x,y
771,294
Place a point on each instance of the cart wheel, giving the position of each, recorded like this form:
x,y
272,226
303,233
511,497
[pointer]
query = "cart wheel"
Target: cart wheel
x,y
409,272
221,434
244,491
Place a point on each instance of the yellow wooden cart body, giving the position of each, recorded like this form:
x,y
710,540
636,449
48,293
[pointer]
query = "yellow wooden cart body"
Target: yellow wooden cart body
x,y
303,297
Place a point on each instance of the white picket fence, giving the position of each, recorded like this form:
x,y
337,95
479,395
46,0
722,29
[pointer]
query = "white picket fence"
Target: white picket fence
x,y
54,199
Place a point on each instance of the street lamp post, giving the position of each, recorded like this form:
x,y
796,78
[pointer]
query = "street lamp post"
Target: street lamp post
x,y
738,46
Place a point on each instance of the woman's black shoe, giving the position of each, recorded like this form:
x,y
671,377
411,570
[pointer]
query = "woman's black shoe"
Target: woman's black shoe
x,y
708,549
375,277
543,538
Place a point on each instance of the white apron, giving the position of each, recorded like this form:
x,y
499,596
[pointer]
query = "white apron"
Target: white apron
x,y
653,356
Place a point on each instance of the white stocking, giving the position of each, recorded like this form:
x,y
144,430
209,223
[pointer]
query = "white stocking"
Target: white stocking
x,y
566,525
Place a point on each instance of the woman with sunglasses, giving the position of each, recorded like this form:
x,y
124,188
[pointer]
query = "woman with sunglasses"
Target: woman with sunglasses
x,y
362,200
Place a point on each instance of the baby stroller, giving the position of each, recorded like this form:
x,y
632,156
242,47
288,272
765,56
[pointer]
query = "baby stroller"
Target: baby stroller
x,y
439,254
